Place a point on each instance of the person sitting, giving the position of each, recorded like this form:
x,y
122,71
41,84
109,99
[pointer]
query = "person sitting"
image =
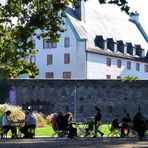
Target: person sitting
x,y
30,122
59,120
90,123
140,125
67,125
115,123
6,124
126,125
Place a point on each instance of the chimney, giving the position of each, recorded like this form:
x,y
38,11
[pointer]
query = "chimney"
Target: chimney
x,y
134,17
81,9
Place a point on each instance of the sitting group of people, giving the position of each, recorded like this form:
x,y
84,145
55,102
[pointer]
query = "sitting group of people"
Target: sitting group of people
x,y
9,124
63,122
138,124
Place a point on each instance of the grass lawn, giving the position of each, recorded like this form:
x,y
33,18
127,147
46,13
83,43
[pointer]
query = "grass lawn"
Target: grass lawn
x,y
44,131
48,131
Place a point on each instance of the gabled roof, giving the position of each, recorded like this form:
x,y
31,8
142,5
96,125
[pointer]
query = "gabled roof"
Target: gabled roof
x,y
108,21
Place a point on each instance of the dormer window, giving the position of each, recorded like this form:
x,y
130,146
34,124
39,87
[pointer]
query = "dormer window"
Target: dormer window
x,y
110,44
121,47
99,41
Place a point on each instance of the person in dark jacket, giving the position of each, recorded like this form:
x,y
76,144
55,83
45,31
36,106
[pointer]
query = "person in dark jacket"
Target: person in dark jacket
x,y
115,123
126,125
140,125
97,122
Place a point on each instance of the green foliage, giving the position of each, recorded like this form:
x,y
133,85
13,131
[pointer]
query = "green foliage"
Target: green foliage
x,y
129,79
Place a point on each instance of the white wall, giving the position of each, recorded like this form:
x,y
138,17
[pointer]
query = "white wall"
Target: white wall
x,y
77,57
97,68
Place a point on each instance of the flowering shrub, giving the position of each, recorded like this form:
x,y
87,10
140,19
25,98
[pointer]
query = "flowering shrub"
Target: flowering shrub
x,y
41,121
17,113
49,118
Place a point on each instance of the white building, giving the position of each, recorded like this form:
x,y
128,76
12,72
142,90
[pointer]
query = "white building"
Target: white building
x,y
99,43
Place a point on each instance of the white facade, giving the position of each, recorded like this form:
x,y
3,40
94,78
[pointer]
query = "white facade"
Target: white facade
x,y
77,57
84,64
98,69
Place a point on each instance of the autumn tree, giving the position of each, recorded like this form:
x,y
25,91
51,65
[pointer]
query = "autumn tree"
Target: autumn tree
x,y
16,42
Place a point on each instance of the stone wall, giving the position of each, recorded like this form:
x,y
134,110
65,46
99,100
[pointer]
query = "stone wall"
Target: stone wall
x,y
112,96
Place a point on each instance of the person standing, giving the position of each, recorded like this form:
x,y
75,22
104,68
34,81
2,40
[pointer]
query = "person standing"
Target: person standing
x,y
30,122
6,124
97,122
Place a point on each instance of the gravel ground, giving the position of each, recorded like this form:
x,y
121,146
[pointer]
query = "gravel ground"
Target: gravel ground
x,y
48,142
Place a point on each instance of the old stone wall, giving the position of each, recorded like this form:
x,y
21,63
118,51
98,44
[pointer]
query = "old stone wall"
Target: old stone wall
x,y
112,96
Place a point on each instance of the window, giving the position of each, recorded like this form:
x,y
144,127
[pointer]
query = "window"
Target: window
x,y
32,59
47,44
67,58
108,76
108,61
49,75
137,66
66,74
119,63
49,59
128,65
67,42
146,68
119,77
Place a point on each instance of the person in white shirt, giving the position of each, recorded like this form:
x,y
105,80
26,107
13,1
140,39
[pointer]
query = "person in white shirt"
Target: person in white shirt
x,y
30,122
7,124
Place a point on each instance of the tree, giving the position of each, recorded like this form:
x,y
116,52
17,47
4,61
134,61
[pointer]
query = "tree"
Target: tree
x,y
16,43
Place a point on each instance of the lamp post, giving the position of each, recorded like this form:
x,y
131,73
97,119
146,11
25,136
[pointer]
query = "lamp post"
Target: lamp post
x,y
75,104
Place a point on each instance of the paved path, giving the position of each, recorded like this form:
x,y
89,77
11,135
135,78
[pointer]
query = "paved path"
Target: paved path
x,y
47,142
